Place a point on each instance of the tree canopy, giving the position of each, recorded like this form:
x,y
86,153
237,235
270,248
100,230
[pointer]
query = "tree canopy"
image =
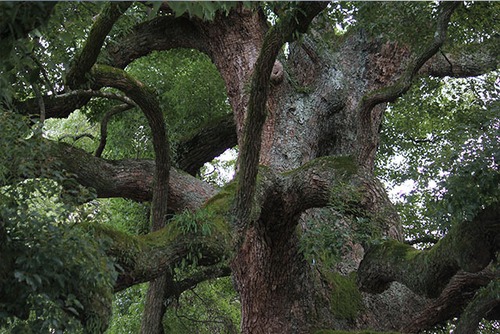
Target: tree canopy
x,y
113,220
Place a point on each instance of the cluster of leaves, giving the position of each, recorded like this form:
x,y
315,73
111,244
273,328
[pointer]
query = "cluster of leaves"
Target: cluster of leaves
x,y
205,10
474,23
39,59
49,265
190,91
128,306
16,148
211,307
390,20
323,243
193,223
446,146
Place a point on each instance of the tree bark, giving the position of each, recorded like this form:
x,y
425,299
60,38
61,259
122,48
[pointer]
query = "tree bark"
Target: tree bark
x,y
485,300
314,129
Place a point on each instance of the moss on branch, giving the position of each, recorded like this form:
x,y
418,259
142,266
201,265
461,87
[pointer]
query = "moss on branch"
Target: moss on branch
x,y
345,300
88,56
469,246
203,237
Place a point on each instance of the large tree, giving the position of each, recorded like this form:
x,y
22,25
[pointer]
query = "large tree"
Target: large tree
x,y
308,85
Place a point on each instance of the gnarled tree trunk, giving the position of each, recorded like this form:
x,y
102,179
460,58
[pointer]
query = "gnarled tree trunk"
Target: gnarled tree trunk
x,y
307,125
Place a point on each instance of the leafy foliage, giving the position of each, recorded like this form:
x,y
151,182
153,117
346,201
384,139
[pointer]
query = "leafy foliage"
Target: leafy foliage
x,y
205,10
49,265
212,307
128,306
475,22
447,146
390,20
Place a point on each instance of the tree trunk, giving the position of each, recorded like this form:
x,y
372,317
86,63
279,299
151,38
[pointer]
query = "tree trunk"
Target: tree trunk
x,y
155,305
274,284
312,112
325,99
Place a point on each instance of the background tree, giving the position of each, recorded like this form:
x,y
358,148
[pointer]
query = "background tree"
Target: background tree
x,y
306,229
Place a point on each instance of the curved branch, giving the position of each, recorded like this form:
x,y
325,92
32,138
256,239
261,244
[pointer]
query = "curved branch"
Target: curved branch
x,y
469,246
104,126
209,142
147,101
369,108
284,31
403,84
88,56
158,34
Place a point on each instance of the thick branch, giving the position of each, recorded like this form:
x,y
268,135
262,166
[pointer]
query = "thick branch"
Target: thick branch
x,y
284,31
101,28
209,142
469,246
451,302
160,33
462,63
143,258
125,178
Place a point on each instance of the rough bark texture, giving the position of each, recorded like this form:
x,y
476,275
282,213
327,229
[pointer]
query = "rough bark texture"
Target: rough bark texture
x,y
470,246
311,120
206,144
485,300
448,305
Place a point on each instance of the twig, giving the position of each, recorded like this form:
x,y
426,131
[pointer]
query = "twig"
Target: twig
x,y
104,126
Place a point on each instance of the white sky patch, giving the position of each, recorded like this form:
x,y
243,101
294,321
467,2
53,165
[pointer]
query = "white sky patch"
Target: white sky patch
x,y
401,190
229,154
223,166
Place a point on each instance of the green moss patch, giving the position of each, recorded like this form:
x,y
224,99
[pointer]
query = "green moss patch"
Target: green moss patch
x,y
345,300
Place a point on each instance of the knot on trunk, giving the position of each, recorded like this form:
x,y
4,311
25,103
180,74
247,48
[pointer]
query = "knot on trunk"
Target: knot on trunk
x,y
277,73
